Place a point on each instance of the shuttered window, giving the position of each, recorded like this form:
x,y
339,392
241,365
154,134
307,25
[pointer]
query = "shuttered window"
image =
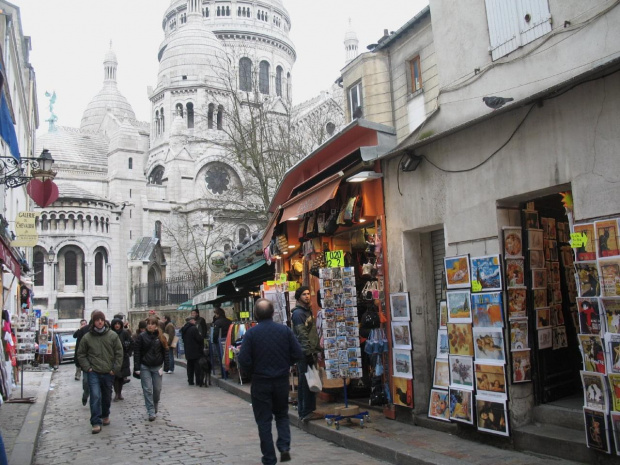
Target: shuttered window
x,y
439,253
514,23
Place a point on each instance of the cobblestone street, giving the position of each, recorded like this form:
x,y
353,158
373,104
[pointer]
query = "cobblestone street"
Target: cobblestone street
x,y
194,426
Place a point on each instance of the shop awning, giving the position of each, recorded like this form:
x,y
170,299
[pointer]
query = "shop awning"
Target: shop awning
x,y
216,292
313,198
9,259
186,306
270,227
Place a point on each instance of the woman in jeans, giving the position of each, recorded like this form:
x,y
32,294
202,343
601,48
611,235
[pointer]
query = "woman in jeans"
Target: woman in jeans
x,y
150,353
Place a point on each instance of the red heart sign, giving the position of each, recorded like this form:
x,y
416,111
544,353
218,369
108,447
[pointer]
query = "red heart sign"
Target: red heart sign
x,y
44,193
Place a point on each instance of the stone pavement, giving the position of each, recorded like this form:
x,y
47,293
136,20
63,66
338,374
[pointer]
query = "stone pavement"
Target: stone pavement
x,y
195,426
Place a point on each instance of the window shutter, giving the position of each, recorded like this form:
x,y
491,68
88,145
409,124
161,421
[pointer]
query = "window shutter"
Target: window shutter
x,y
502,21
539,22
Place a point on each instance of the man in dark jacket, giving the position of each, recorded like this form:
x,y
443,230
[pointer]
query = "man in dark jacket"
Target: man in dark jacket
x,y
268,351
170,333
201,324
101,356
220,324
304,328
194,350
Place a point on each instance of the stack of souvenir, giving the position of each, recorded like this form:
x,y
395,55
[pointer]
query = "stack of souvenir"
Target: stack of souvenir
x,y
340,324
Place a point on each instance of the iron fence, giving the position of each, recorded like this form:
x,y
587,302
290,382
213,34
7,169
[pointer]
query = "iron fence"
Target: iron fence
x,y
172,291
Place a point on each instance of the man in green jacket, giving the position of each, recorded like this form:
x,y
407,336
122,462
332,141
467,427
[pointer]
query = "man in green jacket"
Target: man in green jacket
x,y
101,356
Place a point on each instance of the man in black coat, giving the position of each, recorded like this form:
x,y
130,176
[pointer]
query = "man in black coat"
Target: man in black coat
x,y
194,350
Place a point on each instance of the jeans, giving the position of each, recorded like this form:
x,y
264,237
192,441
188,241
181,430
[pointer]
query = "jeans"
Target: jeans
x,y
270,399
100,386
306,399
151,387
171,358
194,370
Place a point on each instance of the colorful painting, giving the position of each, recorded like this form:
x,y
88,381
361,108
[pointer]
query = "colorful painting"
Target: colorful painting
x,y
521,366
615,422
492,416
543,318
535,239
560,339
594,391
490,377
460,339
439,405
518,334
461,407
540,298
531,219
537,259
489,344
441,375
545,338
443,314
614,389
487,309
459,306
401,335
517,303
443,348
461,372
399,306
487,271
590,318
403,365
513,243
610,277
608,242
588,250
611,309
612,342
402,392
592,353
597,434
539,278
457,272
514,272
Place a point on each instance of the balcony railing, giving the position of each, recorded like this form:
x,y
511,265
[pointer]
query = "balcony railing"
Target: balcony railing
x,y
172,291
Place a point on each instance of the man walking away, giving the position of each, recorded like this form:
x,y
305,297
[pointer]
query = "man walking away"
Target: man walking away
x,y
101,357
268,351
194,349
170,333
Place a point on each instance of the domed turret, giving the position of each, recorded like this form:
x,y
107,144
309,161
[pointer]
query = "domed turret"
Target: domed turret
x,y
109,98
350,44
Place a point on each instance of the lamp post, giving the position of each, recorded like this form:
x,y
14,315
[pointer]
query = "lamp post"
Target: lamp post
x,y
14,173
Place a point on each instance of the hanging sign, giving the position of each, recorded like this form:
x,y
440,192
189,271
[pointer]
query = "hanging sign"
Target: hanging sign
x,y
25,229
217,261
578,240
334,259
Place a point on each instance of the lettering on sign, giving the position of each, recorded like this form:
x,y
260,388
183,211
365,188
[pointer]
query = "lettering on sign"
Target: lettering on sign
x,y
476,286
578,240
334,259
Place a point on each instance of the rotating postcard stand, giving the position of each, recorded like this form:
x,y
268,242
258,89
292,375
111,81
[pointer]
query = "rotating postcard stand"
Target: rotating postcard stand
x,y
25,334
347,413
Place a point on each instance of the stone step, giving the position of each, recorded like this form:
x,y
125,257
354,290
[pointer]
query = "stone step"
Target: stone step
x,y
548,414
566,443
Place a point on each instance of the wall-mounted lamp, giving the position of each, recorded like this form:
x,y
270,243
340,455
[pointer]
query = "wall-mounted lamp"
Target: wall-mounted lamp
x,y
411,162
365,176
51,254
13,172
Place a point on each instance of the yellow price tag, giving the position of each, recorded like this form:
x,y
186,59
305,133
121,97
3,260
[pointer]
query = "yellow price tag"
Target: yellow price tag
x,y
334,259
244,314
476,286
578,240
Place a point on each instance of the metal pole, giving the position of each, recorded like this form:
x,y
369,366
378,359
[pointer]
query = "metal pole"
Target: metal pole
x,y
346,399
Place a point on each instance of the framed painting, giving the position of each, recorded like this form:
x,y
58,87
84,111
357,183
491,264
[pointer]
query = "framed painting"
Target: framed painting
x,y
607,234
402,392
399,306
615,424
592,353
443,314
531,219
610,277
458,275
443,348
590,319
545,338
403,365
521,366
459,306
492,416
513,243
514,272
460,339
441,374
461,372
594,391
588,284
597,434
487,309
401,335
487,273
516,304
461,406
535,239
587,251
518,334
614,389
612,343
489,344
439,405
537,259
490,377
539,278
611,311
560,338
540,297
543,318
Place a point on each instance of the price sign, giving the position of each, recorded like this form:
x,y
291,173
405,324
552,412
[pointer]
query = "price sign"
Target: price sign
x,y
244,314
578,240
476,286
334,259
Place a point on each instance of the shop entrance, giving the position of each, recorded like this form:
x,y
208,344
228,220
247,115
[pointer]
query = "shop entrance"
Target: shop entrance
x,y
553,316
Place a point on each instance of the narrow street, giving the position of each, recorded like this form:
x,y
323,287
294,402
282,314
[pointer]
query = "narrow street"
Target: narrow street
x,y
194,426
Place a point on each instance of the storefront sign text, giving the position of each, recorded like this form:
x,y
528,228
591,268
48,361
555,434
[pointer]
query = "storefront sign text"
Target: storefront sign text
x,y
334,259
578,240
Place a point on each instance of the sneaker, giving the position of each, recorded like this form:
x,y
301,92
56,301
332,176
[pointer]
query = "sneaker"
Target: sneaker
x,y
77,378
156,407
96,429
152,418
120,397
84,400
285,456
106,421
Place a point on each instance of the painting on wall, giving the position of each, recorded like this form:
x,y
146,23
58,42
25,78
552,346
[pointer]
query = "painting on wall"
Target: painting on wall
x,y
457,272
587,251
513,243
487,309
489,344
459,306
439,405
492,415
461,406
460,339
487,272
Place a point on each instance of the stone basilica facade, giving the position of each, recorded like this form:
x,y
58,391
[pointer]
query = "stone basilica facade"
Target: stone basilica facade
x,y
145,202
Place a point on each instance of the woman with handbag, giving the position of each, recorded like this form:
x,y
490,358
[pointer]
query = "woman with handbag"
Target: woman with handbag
x,y
171,335
150,353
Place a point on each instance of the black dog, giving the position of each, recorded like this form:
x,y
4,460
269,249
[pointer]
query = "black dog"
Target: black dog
x,y
205,368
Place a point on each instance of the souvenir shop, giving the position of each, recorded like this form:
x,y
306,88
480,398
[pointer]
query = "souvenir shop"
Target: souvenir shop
x,y
327,232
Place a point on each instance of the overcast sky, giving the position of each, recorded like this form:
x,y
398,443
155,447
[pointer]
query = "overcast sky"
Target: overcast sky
x,y
71,37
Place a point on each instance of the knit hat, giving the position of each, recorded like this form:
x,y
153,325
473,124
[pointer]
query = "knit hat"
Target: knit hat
x,y
190,318
98,315
300,291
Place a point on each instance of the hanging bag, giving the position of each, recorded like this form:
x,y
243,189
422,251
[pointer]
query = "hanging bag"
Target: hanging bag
x,y
314,379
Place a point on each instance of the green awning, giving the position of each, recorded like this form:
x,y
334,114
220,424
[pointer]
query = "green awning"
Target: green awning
x,y
186,306
210,293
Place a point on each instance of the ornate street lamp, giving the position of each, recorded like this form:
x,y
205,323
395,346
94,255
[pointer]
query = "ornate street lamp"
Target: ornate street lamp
x,y
14,173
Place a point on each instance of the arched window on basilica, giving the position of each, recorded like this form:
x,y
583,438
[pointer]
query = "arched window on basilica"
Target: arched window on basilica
x,y
220,117
101,260
217,179
156,123
190,115
130,163
157,176
263,77
163,121
158,229
245,74
210,110
243,233
39,267
71,269
279,71
179,108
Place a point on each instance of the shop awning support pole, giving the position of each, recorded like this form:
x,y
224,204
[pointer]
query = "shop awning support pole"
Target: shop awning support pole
x,y
346,399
